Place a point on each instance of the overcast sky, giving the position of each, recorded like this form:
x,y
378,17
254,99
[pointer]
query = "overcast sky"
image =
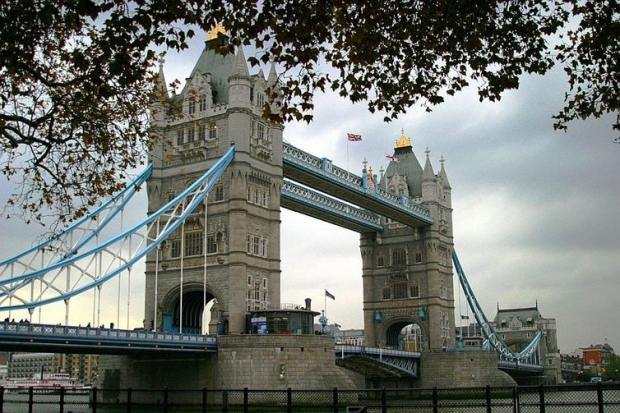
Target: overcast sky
x,y
535,211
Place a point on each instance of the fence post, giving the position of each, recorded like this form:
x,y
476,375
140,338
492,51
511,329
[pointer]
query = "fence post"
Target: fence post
x,y
30,399
488,397
289,400
435,400
335,399
166,400
599,396
246,400
129,400
94,400
225,401
515,399
1,399
62,400
204,400
383,400
541,398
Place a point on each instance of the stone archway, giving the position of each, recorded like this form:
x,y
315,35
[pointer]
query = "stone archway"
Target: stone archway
x,y
405,333
186,316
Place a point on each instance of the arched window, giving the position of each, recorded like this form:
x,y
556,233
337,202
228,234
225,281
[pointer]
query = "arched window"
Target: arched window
x,y
399,257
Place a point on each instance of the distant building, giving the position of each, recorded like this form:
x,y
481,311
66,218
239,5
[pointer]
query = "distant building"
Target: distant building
x,y
82,367
596,357
518,326
572,366
353,337
32,364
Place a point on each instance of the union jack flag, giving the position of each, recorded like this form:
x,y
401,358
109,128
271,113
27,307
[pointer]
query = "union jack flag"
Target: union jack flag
x,y
354,137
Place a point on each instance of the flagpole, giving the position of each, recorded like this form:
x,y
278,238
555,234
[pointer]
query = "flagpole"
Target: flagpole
x,y
347,162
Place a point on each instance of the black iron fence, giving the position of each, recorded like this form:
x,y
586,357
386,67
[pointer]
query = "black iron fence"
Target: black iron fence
x,y
600,397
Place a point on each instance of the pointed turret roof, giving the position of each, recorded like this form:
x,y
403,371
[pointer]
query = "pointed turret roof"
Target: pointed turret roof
x,y
428,174
273,75
443,175
240,68
407,165
218,65
160,80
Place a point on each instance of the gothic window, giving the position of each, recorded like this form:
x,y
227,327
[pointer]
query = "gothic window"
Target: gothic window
x,y
418,257
261,131
211,244
201,132
192,106
444,322
180,137
252,128
386,293
399,257
414,290
212,131
443,288
219,193
191,134
175,249
443,256
256,245
193,243
264,199
249,280
202,103
249,195
257,291
248,244
400,290
261,100
380,262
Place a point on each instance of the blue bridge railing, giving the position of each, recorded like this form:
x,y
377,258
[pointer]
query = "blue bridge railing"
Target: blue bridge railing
x,y
96,340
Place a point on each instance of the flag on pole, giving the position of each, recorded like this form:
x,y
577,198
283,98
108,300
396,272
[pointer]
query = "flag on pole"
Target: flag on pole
x,y
328,294
392,158
354,137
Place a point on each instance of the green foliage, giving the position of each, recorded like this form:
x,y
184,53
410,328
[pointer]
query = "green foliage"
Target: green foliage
x,y
76,76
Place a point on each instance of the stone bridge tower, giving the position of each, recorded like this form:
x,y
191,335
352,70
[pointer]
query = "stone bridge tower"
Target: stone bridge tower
x,y
239,226
407,271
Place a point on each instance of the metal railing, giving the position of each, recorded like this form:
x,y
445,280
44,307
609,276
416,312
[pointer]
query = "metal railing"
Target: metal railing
x,y
600,397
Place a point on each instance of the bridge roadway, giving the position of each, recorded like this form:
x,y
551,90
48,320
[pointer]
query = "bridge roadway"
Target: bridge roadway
x,y
94,340
320,174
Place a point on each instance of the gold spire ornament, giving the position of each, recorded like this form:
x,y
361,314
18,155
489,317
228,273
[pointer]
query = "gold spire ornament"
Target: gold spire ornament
x,y
216,30
404,141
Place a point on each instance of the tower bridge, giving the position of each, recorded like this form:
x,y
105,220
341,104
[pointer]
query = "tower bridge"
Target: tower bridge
x,y
216,182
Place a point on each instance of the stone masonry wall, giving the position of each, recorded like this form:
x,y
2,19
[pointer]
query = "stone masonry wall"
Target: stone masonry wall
x,y
462,369
277,362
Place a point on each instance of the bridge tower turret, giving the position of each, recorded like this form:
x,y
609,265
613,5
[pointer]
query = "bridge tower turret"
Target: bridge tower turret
x,y
229,248
407,271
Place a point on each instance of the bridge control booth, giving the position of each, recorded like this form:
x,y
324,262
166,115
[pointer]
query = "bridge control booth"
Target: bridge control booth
x,y
288,319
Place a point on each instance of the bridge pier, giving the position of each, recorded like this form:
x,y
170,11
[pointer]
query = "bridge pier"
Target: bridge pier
x,y
462,369
270,361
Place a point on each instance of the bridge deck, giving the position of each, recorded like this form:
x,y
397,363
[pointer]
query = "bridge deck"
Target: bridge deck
x,y
320,174
88,340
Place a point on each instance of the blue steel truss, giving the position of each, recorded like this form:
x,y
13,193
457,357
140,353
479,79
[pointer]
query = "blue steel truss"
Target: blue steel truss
x,y
31,279
493,340
405,361
322,175
304,200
